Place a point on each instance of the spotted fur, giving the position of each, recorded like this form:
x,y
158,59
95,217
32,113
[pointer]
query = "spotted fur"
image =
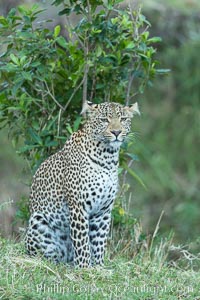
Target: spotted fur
x,y
73,191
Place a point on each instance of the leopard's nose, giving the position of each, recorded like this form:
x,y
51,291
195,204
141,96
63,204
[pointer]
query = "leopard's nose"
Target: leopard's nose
x,y
116,132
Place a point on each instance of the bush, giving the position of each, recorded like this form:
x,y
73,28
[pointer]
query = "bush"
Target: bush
x,y
45,78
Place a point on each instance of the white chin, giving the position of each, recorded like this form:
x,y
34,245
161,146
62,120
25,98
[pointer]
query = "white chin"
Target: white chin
x,y
117,142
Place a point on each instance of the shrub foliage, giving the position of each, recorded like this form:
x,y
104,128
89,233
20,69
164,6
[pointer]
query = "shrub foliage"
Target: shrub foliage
x,y
106,55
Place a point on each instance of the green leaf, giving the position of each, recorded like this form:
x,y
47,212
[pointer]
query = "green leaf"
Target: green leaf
x,y
134,157
35,64
23,59
162,71
38,12
17,86
26,148
63,138
130,45
98,51
65,11
3,21
13,108
51,143
155,39
35,6
133,174
26,76
61,42
100,86
22,9
57,2
95,31
142,18
52,122
36,138
12,12
77,123
69,128
120,170
56,31
14,59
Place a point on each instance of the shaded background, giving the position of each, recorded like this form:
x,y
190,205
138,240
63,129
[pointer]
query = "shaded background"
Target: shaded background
x,y
168,134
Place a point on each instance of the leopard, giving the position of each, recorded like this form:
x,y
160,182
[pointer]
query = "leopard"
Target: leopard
x,y
73,191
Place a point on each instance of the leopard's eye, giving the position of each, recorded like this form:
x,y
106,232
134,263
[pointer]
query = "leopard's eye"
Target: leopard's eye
x,y
104,119
123,119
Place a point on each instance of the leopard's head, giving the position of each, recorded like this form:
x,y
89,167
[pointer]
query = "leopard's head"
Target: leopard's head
x,y
109,122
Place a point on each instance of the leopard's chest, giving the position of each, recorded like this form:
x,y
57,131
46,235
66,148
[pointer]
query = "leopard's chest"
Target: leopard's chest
x,y
101,188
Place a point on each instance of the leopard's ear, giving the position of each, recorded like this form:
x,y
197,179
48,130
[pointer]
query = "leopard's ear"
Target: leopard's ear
x,y
133,109
88,107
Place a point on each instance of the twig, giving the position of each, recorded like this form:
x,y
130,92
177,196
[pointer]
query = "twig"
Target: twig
x,y
134,20
85,77
52,88
70,28
85,80
125,173
34,100
107,96
52,96
133,95
93,84
72,95
59,118
145,29
86,68
89,16
131,78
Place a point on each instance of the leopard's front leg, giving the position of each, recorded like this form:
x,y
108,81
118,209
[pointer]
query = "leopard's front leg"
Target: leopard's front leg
x,y
79,230
99,229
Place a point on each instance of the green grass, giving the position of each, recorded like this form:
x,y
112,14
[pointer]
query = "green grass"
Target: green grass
x,y
141,277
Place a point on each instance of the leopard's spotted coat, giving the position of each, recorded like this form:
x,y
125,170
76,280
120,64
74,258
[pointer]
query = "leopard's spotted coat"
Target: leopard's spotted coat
x,y
73,191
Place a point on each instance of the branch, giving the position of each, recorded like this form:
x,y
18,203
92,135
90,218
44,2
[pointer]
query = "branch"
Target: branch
x,y
85,77
131,78
133,95
129,88
124,179
34,99
72,95
59,119
85,81
93,84
89,11
134,19
70,28
52,96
